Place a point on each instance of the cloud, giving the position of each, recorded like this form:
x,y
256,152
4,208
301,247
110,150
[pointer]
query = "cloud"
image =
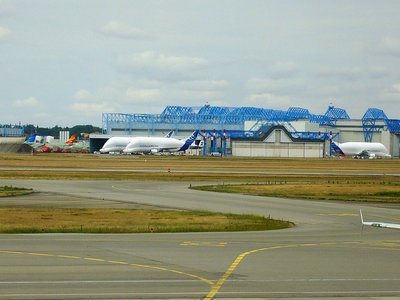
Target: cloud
x,y
396,87
284,69
390,46
27,102
204,84
341,73
260,85
6,11
118,30
392,92
142,95
268,100
91,109
4,33
197,95
83,95
153,61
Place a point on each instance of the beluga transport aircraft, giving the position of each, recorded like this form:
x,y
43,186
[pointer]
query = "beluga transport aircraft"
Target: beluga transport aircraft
x,y
361,150
119,143
153,145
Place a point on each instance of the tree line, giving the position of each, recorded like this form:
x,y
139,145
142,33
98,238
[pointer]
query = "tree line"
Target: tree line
x,y
55,131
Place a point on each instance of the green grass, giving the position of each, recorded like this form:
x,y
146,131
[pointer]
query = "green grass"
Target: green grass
x,y
383,190
9,191
109,220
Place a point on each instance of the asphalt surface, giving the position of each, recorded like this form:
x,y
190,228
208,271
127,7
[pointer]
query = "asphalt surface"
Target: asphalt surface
x,y
328,255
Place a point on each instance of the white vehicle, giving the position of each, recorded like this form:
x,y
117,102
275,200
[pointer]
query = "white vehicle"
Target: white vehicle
x,y
361,150
116,144
379,224
153,145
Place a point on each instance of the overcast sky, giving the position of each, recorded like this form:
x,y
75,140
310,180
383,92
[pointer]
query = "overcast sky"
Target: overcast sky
x,y
65,62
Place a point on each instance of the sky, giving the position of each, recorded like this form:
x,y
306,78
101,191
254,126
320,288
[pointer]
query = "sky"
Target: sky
x,y
66,62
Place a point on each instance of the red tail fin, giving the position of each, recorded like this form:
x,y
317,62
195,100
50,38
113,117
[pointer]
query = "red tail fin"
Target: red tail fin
x,y
71,140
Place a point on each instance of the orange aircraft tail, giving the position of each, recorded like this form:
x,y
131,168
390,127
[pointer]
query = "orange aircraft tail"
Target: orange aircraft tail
x,y
71,140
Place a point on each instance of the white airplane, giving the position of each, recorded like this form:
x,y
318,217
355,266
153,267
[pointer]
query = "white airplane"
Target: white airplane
x,y
116,144
361,150
379,224
119,143
153,145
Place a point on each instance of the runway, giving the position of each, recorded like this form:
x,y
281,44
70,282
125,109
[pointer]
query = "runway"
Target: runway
x,y
326,256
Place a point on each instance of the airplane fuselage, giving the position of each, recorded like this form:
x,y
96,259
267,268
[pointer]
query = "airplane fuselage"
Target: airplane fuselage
x,y
364,149
153,145
116,144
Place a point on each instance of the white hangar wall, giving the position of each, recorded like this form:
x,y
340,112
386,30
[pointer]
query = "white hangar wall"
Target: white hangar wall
x,y
278,144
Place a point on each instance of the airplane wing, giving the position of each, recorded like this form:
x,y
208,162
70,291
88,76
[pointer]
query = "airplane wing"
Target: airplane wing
x,y
365,154
379,224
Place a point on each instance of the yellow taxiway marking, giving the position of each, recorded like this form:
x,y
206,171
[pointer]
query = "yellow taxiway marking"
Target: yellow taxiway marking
x,y
217,286
209,282
204,244
341,215
120,188
379,245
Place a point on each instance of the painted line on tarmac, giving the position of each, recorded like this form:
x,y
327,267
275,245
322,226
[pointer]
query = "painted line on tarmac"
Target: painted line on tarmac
x,y
340,215
217,286
99,281
203,244
209,282
98,295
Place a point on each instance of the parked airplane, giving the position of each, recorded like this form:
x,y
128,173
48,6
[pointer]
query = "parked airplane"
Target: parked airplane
x,y
152,145
39,139
31,139
379,224
361,150
119,143
71,140
46,144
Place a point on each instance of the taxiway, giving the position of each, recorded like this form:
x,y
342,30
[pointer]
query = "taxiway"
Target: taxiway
x,y
327,254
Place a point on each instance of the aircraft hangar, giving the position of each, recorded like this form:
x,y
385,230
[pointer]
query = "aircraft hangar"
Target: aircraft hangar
x,y
251,131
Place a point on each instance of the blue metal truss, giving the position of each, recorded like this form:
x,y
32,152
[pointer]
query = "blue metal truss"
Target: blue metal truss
x,y
369,122
335,114
393,126
370,119
233,120
297,113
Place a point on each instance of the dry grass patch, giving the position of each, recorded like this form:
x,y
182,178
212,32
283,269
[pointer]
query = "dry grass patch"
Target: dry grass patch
x,y
32,220
372,191
63,160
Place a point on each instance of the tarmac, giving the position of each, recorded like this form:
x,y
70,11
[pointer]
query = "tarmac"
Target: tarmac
x,y
328,255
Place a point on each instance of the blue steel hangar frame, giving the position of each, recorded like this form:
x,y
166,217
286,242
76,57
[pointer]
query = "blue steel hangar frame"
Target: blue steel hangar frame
x,y
217,120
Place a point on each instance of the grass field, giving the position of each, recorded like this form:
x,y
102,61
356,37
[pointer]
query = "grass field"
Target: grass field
x,y
168,168
367,191
9,191
96,220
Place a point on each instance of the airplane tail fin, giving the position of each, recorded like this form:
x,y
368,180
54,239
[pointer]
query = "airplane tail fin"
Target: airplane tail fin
x,y
169,134
31,139
337,149
189,141
71,140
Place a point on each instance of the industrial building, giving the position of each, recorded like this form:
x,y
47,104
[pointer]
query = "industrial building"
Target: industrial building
x,y
250,131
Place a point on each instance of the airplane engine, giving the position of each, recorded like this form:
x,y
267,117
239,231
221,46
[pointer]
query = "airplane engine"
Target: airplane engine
x,y
154,151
